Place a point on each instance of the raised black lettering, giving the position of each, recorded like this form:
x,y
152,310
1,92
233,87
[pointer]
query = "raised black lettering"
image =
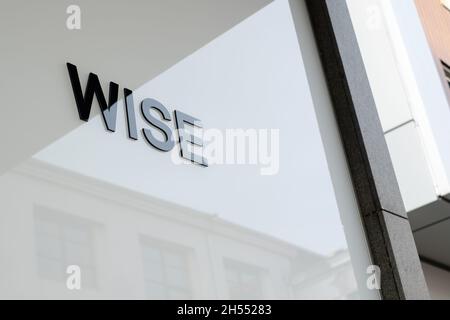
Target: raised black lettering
x,y
84,102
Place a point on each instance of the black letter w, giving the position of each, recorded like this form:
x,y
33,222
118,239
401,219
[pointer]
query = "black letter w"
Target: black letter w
x,y
84,103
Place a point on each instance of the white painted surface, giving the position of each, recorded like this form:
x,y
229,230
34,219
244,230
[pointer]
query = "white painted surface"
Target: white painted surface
x,y
415,114
380,62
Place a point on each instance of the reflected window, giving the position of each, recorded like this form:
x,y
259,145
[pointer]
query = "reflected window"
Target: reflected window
x,y
63,240
166,271
244,281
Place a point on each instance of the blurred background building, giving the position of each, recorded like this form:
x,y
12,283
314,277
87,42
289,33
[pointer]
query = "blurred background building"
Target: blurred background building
x,y
110,233
406,49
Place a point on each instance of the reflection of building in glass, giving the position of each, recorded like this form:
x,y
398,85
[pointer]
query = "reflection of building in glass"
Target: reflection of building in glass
x,y
62,241
130,245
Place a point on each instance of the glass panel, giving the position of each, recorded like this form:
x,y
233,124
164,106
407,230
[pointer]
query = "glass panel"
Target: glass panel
x,y
263,209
